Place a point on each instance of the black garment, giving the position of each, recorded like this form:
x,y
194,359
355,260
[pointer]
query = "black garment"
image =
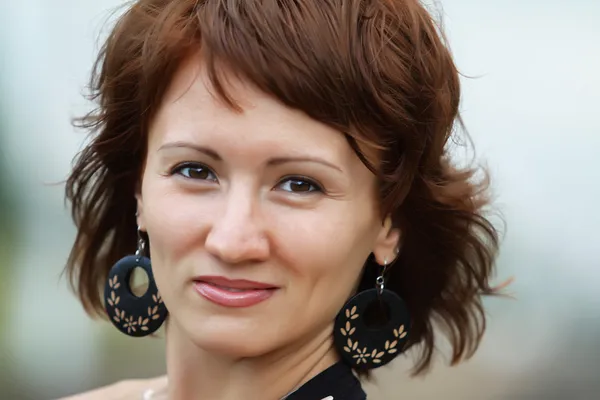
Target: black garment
x,y
337,381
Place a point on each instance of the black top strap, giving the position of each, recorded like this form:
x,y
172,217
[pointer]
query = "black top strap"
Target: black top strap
x,y
337,381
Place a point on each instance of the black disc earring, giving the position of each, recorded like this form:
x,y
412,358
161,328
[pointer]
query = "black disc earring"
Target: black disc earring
x,y
132,315
368,347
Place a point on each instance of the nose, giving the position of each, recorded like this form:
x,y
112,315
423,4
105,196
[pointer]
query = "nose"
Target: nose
x,y
237,234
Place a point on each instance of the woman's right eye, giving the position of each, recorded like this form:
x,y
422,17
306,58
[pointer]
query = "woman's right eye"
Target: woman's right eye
x,y
195,171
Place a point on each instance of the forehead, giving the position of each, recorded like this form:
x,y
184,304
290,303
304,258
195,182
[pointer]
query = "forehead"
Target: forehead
x,y
192,111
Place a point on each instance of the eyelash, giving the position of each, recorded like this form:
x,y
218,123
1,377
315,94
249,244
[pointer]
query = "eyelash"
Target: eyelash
x,y
317,187
178,170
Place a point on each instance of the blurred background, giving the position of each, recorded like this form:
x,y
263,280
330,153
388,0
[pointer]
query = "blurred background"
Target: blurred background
x,y
531,104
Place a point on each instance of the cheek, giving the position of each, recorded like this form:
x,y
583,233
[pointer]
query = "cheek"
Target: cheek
x,y
174,222
325,250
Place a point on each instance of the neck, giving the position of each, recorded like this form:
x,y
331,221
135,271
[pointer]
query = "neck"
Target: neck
x,y
194,373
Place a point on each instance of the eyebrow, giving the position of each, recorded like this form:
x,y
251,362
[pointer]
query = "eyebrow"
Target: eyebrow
x,y
184,145
273,161
317,160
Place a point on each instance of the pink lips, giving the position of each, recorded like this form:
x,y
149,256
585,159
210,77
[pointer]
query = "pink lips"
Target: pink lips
x,y
232,293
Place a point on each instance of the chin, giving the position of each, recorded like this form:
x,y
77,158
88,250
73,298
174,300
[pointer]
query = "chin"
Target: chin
x,y
237,340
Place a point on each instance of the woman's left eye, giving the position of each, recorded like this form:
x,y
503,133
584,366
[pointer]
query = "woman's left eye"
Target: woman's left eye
x,y
299,185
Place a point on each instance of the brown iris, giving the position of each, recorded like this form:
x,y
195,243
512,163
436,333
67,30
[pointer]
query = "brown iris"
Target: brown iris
x,y
300,186
198,173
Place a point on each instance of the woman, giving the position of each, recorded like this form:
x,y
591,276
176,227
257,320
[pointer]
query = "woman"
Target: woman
x,y
280,170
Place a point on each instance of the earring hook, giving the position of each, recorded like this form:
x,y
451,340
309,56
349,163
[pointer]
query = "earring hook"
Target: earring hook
x,y
141,245
380,281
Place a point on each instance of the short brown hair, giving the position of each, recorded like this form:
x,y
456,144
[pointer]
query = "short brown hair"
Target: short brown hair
x,y
379,71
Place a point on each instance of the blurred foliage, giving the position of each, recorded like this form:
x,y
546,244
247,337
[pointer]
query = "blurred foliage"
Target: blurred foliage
x,y
7,222
7,243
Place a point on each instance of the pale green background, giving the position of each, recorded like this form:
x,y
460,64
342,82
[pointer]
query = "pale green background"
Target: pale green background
x,y
533,112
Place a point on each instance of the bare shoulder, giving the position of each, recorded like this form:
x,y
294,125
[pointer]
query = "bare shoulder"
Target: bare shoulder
x,y
124,390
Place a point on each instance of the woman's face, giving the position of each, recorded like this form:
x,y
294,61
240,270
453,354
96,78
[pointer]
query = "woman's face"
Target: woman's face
x,y
259,222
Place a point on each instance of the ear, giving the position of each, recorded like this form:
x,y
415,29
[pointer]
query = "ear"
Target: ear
x,y
140,219
387,243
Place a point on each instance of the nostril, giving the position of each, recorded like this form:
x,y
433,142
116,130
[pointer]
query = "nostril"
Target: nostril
x,y
234,247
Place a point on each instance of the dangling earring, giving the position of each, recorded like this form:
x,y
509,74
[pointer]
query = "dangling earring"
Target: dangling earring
x,y
132,315
364,347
